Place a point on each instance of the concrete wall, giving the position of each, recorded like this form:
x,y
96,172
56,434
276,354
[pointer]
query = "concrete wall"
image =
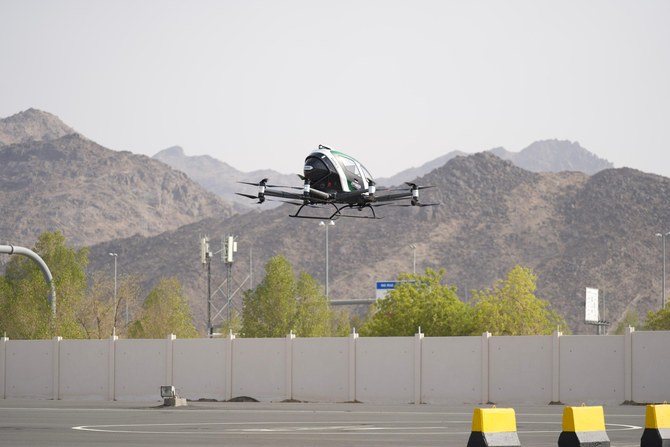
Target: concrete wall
x,y
29,369
84,372
451,369
259,368
592,369
505,370
201,368
385,369
520,369
651,367
141,367
315,379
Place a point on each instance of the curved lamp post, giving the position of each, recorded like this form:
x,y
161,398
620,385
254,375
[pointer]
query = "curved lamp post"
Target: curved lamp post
x,y
11,249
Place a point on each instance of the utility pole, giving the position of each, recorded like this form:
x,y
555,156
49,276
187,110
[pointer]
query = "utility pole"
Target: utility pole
x,y
115,255
229,248
206,259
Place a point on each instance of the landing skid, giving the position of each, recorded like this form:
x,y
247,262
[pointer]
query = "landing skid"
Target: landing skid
x,y
338,213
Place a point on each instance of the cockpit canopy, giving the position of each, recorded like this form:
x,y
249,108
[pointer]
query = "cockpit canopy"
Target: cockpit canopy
x,y
332,171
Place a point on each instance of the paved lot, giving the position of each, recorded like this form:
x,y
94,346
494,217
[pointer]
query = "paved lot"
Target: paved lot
x,y
61,423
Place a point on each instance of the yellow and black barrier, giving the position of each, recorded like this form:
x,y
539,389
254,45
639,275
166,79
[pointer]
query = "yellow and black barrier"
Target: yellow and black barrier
x,y
492,427
583,427
656,426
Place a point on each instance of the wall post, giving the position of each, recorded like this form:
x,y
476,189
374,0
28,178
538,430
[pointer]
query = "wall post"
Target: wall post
x,y
352,365
485,367
168,359
417,366
55,382
289,366
229,365
556,367
111,368
628,364
3,367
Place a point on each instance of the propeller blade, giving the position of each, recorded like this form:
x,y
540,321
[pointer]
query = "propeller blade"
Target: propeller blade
x,y
415,186
246,195
265,183
421,205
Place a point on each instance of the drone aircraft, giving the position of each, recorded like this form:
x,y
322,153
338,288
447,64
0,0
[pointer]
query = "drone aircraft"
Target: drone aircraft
x,y
337,182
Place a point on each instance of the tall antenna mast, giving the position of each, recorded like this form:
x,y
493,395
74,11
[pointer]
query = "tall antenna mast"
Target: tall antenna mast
x,y
206,259
229,248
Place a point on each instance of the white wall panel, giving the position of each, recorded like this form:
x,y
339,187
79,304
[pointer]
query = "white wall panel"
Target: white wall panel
x,y
320,369
651,366
591,369
385,369
29,369
451,370
84,369
259,368
199,368
140,369
520,369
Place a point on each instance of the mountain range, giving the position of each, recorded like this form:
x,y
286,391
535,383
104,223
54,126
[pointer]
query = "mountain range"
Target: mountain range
x,y
52,178
574,229
541,156
219,177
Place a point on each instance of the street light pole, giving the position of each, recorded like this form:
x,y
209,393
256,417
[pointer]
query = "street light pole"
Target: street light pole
x,y
663,236
329,224
114,323
413,247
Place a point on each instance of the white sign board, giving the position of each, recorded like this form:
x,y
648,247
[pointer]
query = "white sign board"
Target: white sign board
x,y
591,313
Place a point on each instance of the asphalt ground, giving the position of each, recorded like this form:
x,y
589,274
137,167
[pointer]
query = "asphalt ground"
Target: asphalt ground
x,y
70,423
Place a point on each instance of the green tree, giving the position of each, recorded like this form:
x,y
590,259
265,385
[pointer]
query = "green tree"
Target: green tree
x,y
165,311
423,301
269,309
24,309
630,318
511,307
341,322
100,316
312,312
281,303
658,320
234,324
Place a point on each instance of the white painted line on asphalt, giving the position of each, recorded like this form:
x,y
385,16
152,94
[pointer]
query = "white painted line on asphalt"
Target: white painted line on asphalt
x,y
323,427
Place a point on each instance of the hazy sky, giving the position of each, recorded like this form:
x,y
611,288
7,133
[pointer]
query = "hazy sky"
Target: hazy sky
x,y
258,84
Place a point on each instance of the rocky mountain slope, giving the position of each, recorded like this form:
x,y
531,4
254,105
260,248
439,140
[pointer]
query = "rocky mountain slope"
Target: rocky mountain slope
x,y
574,230
90,193
32,125
541,156
219,177
555,156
